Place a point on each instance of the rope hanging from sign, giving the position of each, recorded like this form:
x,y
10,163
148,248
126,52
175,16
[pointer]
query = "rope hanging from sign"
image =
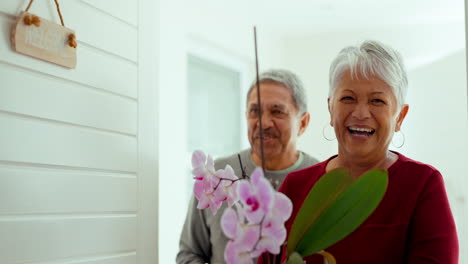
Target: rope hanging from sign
x,y
35,20
58,10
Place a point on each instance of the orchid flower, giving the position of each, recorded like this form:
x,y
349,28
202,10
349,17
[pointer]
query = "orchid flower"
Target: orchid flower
x,y
256,196
213,187
258,225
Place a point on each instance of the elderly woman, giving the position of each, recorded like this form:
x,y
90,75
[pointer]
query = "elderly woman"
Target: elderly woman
x,y
413,223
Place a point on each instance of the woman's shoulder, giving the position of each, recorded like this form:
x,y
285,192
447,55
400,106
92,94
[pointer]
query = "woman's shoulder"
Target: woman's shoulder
x,y
304,178
308,171
410,165
410,172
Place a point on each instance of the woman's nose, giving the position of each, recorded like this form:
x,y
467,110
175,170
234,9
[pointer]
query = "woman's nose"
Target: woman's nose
x,y
361,111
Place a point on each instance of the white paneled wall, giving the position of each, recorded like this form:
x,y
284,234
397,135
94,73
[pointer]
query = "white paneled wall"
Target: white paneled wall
x,y
78,148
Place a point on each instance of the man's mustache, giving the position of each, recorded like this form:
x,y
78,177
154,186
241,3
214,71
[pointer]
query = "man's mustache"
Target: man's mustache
x,y
267,132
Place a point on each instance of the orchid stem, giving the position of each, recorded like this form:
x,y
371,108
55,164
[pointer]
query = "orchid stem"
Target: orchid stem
x,y
262,155
244,175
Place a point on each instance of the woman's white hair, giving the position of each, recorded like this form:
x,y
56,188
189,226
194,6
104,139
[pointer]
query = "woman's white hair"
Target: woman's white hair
x,y
371,59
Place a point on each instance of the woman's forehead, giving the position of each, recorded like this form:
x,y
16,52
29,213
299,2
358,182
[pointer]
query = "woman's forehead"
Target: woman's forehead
x,y
372,84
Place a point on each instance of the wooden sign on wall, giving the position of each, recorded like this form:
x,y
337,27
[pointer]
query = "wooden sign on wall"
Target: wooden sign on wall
x,y
44,39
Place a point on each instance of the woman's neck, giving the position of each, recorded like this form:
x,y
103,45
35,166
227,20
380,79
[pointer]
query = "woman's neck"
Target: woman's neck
x,y
360,165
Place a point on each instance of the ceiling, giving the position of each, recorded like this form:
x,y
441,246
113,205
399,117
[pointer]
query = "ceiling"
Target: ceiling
x,y
422,30
302,16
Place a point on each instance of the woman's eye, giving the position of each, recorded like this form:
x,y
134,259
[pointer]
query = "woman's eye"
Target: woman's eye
x,y
378,101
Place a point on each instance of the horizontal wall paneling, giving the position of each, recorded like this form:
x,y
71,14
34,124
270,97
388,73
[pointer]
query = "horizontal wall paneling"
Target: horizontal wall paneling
x,y
35,190
122,9
35,141
119,258
35,240
34,94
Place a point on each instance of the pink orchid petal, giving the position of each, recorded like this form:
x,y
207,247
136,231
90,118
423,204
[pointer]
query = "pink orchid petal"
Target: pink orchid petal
x,y
244,191
204,200
229,173
240,213
265,193
248,238
214,206
283,207
231,254
198,189
219,194
210,163
269,245
230,223
203,203
275,233
254,217
248,197
198,159
232,193
210,182
199,172
257,174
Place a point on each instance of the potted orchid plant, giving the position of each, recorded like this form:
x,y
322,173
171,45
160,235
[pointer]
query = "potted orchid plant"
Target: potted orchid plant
x,y
256,213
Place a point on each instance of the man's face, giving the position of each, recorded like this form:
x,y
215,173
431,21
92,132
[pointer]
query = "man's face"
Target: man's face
x,y
280,122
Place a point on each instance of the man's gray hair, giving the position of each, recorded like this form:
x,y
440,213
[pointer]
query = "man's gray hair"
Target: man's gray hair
x,y
290,81
371,58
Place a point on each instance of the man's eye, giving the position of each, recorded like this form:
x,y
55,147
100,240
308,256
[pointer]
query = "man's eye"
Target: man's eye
x,y
253,112
347,99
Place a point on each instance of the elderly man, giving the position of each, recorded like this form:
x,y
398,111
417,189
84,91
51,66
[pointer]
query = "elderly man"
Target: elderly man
x,y
284,119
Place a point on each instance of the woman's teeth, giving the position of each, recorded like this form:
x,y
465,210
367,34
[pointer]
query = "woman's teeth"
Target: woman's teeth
x,y
358,131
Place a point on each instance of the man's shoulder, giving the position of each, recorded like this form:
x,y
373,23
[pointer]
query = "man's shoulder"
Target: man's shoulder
x,y
308,160
221,162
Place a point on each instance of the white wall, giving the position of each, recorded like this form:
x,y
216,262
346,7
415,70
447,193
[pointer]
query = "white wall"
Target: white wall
x,y
78,156
436,129
172,132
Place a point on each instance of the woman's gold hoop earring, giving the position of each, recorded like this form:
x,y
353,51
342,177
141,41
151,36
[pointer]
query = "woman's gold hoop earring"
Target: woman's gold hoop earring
x,y
402,139
324,136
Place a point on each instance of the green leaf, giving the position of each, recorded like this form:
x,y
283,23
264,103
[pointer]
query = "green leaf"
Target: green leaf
x,y
346,214
295,258
325,191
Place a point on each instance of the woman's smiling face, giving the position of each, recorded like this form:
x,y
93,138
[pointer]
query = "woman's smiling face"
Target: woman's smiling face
x,y
364,114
